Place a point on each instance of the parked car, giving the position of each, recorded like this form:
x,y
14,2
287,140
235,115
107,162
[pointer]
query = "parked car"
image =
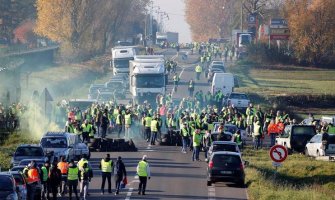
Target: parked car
x,y
223,146
17,168
217,66
7,187
239,100
64,144
295,137
224,166
21,184
315,147
217,62
93,90
27,151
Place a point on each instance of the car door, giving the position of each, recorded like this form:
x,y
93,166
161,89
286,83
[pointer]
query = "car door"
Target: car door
x,y
311,146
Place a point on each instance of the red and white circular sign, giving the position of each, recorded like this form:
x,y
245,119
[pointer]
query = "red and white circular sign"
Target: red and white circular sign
x,y
278,153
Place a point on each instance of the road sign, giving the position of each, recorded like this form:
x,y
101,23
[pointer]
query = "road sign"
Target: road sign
x,y
278,23
279,37
278,153
280,31
251,19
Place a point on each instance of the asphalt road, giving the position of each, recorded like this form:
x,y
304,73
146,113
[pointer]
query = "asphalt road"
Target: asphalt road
x,y
174,174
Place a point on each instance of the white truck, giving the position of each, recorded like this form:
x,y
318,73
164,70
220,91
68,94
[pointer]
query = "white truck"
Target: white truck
x,y
170,37
146,78
120,58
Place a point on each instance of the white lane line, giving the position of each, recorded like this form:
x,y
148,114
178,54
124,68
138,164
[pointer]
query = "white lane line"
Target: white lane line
x,y
211,192
129,193
131,189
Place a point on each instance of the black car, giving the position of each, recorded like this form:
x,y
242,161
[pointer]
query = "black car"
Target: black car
x,y
224,166
7,186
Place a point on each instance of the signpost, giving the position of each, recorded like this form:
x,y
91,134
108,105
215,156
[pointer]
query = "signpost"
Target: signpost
x,y
278,153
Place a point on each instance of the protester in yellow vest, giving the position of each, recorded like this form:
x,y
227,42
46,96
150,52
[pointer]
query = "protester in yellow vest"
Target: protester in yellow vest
x,y
143,172
73,175
106,166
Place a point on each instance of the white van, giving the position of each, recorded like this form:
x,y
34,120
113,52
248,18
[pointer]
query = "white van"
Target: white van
x,y
121,57
224,82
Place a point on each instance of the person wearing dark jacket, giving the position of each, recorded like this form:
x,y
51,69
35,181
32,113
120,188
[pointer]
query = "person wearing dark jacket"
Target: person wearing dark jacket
x,y
104,122
120,174
106,166
55,178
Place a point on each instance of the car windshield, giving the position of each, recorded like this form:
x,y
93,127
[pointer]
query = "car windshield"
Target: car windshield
x,y
54,142
6,183
221,160
150,80
238,96
231,129
303,130
224,147
121,63
26,162
114,85
29,151
105,97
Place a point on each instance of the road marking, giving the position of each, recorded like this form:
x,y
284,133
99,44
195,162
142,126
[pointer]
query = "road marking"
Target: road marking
x,y
129,193
211,192
182,71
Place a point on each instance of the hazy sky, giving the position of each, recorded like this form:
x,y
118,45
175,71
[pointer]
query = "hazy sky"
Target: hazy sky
x,y
177,21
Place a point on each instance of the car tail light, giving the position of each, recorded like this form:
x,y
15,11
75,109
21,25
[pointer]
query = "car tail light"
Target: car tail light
x,y
241,166
210,164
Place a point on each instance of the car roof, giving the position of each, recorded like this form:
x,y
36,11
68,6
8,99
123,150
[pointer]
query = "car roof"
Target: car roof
x,y
224,142
29,145
226,153
54,134
238,93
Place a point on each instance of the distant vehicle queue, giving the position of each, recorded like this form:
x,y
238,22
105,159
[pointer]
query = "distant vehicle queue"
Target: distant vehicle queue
x,y
217,123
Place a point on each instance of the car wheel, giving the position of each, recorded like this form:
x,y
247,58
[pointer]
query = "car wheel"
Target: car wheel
x,y
241,183
209,183
306,152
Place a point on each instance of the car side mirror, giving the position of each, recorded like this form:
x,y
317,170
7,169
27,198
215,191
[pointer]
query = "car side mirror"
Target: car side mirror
x,y
246,163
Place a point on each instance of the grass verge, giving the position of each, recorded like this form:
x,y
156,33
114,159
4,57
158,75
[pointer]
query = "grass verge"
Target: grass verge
x,y
10,145
299,177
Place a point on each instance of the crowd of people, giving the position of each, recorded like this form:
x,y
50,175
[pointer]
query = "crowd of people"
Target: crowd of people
x,y
10,116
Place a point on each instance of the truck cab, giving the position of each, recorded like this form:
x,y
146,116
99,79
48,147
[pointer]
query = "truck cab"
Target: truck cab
x,y
121,57
147,78
295,137
64,144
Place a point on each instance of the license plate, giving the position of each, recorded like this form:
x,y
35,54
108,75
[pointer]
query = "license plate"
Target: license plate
x,y
226,172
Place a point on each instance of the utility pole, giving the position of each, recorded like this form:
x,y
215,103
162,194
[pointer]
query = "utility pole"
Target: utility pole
x,y
151,16
242,15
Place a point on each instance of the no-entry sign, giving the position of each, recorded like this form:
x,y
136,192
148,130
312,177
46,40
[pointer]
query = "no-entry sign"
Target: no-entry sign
x,y
278,153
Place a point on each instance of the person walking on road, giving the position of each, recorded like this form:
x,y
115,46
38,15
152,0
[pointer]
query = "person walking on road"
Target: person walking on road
x,y
55,178
147,124
86,175
73,175
196,144
198,70
33,178
154,130
63,166
127,124
45,180
104,122
191,88
143,172
175,81
106,166
120,174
